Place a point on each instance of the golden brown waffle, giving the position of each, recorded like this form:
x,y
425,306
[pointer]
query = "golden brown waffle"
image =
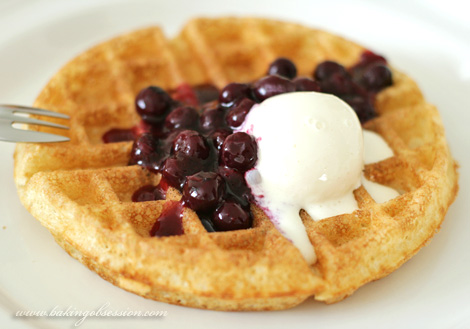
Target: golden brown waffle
x,y
81,190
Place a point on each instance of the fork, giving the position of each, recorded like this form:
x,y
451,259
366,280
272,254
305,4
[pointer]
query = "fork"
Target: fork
x,y
10,114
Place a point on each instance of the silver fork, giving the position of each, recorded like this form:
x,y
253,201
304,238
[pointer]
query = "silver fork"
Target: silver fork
x,y
10,114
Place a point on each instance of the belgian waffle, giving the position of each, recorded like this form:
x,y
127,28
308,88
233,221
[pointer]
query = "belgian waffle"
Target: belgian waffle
x,y
81,190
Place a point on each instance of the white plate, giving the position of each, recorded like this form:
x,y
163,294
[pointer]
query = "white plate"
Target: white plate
x,y
427,40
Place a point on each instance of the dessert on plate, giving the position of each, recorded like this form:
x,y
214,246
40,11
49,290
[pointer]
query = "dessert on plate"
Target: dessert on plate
x,y
246,164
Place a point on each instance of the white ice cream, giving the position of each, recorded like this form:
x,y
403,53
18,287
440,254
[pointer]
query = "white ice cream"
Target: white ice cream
x,y
310,156
375,150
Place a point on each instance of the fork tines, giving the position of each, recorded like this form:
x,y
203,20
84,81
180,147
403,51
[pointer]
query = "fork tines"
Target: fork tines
x,y
10,114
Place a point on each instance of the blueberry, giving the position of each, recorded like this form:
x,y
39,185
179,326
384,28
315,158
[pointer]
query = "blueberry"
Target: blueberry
x,y
239,151
153,104
368,57
146,152
272,85
377,77
148,193
203,191
326,69
183,117
236,185
212,119
231,216
306,84
283,67
233,92
192,144
176,168
237,114
218,137
363,106
337,84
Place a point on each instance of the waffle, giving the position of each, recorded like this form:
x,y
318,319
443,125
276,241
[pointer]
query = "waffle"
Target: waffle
x,y
81,190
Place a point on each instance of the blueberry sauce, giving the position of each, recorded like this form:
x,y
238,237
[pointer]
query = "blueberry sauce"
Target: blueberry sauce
x,y
170,221
118,135
187,135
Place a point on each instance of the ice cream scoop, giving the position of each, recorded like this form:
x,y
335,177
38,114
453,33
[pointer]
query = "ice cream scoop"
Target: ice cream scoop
x,y
310,156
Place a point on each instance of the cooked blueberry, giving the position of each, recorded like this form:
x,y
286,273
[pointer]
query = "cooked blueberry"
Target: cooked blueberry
x,y
283,67
239,151
146,152
272,85
236,185
337,84
191,144
231,216
377,77
166,142
233,92
152,104
218,137
363,106
148,193
176,168
234,179
326,69
203,191
212,119
306,84
183,117
237,114
368,57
